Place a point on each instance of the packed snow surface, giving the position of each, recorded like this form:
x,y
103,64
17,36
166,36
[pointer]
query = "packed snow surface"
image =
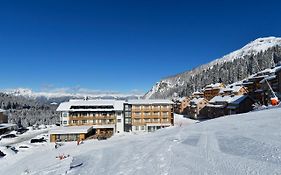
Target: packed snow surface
x,y
238,144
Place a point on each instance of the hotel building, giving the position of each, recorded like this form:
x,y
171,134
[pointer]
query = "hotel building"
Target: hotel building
x,y
148,115
85,118
105,117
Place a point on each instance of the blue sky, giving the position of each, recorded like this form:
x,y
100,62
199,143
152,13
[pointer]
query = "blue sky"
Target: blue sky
x,y
121,45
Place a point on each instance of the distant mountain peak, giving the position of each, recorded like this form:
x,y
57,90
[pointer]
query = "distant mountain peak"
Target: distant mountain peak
x,y
185,83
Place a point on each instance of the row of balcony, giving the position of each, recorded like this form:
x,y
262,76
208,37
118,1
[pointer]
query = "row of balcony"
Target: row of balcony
x,y
86,122
150,116
151,109
91,117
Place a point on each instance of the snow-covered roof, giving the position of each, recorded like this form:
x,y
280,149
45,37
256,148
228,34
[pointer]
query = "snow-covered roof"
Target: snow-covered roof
x,y
270,70
231,88
197,100
215,106
212,86
197,93
238,100
2,110
116,104
7,125
247,83
257,77
228,99
104,126
71,130
150,101
268,78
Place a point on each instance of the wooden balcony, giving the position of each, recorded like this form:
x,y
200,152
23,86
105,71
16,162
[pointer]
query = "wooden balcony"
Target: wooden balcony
x,y
91,117
91,123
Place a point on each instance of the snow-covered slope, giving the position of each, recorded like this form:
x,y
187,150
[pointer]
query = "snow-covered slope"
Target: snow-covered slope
x,y
253,48
238,144
232,67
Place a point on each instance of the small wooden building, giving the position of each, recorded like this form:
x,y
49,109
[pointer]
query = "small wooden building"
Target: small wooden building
x,y
184,105
240,105
196,105
70,133
226,105
212,90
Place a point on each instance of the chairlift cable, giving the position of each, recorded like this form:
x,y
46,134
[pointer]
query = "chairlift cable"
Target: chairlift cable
x,y
266,80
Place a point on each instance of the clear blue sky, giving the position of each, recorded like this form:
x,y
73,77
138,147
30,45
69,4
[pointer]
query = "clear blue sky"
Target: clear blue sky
x,y
122,45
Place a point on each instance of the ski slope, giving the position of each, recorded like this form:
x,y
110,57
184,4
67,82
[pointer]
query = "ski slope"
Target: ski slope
x,y
238,144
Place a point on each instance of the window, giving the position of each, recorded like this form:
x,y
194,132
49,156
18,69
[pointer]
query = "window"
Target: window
x,y
103,122
137,120
156,113
147,120
119,120
128,107
128,120
146,107
156,107
65,122
142,127
75,121
146,113
137,107
84,121
65,114
156,120
128,114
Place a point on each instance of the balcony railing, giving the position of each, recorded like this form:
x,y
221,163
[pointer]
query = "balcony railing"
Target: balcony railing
x,y
91,117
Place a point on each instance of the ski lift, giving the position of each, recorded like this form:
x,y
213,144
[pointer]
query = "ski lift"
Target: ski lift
x,y
274,100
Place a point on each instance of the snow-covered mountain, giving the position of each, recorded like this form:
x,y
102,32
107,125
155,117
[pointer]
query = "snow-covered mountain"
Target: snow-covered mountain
x,y
29,93
230,68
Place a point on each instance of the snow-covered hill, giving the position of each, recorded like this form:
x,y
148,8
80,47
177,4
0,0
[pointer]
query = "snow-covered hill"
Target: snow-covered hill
x,y
230,68
238,144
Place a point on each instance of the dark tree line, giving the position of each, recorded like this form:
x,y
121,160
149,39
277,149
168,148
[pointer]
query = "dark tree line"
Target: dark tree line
x,y
27,112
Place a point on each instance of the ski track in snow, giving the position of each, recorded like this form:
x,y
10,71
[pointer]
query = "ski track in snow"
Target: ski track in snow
x,y
240,144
